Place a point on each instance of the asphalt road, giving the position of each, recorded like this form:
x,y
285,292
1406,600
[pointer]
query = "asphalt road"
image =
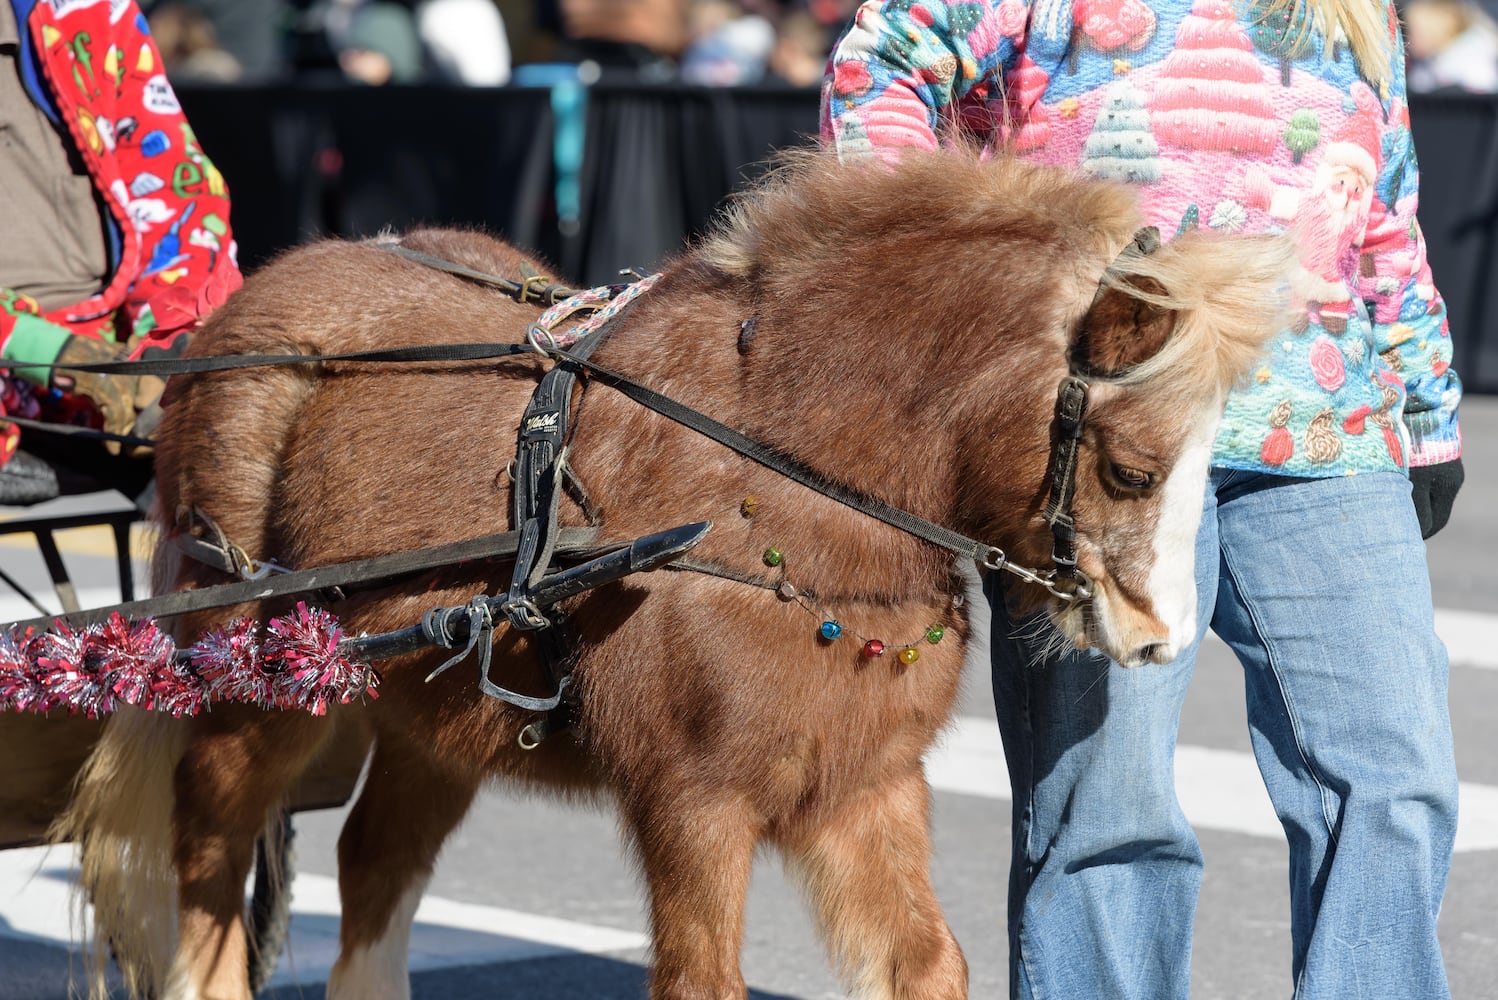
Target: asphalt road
x,y
534,901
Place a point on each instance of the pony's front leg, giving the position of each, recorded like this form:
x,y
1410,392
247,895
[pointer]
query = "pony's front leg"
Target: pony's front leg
x,y
696,847
866,866
238,766
409,804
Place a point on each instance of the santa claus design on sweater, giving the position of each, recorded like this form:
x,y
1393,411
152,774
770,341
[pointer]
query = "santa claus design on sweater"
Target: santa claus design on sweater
x,y
1330,216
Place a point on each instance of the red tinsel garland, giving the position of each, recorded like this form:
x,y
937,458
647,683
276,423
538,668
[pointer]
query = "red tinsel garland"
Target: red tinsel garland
x,y
297,664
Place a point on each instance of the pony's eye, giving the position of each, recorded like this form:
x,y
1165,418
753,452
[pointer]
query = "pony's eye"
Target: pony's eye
x,y
1133,479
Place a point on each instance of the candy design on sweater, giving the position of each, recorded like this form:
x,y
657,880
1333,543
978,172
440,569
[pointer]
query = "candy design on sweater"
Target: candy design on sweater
x,y
1212,93
1278,444
1357,421
1383,419
1114,24
1327,365
1322,443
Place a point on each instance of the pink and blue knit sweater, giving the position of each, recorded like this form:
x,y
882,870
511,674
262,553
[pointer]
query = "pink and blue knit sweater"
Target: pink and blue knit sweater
x,y
1220,120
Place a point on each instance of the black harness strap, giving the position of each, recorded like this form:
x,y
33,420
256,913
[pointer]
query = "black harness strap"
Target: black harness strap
x,y
537,488
779,462
384,567
166,367
535,288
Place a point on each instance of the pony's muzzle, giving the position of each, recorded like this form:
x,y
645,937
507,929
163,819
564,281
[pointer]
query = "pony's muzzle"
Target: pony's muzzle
x,y
1128,633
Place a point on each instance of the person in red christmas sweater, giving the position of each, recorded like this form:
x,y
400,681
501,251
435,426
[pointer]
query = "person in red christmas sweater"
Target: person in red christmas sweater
x,y
117,225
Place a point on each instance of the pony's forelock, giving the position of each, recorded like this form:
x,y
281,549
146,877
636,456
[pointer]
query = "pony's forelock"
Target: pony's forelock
x,y
1228,303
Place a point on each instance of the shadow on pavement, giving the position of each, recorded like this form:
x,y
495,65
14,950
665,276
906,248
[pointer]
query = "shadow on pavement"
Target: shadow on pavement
x,y
565,977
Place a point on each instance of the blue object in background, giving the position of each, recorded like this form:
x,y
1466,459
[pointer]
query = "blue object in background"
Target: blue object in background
x,y
569,107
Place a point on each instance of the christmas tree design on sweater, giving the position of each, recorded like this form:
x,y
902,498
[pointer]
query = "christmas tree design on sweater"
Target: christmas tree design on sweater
x,y
1120,146
1280,35
1212,93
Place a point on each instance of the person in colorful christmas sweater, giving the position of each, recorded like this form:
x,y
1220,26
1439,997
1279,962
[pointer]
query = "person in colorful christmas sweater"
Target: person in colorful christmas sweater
x,y
1256,116
118,237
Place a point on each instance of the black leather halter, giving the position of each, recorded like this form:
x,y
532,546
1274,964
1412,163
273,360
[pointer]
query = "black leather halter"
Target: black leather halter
x,y
1071,415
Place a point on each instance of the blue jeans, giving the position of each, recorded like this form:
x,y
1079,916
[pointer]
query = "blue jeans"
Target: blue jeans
x,y
1320,587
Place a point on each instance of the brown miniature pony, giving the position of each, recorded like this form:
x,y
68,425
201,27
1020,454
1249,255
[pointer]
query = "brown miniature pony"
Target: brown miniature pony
x,y
912,324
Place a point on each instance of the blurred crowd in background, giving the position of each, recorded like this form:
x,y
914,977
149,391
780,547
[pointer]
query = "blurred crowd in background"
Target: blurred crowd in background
x,y
1452,44
481,42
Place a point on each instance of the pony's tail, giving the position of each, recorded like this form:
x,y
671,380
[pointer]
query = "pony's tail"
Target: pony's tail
x,y
120,816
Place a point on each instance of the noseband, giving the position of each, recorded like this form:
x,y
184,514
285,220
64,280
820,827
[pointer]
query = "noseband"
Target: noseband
x,y
1071,414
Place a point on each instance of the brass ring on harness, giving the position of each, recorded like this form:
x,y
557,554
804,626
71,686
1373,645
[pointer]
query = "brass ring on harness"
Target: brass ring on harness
x,y
244,565
534,284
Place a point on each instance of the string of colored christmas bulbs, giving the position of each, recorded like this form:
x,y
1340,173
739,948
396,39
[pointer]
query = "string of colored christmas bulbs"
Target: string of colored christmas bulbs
x,y
830,628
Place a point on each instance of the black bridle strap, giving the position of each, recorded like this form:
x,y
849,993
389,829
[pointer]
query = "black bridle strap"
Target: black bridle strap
x,y
1071,411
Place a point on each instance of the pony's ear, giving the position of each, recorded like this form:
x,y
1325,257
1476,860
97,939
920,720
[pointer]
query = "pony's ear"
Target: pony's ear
x,y
1122,330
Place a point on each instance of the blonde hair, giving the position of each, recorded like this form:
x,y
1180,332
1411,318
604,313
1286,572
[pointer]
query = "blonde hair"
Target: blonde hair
x,y
1365,25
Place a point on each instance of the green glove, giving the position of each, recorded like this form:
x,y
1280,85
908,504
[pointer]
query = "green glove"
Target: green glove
x,y
1434,488
36,340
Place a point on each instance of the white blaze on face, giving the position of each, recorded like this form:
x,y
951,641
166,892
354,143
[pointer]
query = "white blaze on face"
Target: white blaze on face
x,y
1172,579
381,970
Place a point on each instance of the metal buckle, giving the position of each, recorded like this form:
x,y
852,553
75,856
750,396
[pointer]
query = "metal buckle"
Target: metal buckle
x,y
1071,405
524,614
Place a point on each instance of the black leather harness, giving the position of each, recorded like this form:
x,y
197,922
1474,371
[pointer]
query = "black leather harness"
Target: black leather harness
x,y
539,473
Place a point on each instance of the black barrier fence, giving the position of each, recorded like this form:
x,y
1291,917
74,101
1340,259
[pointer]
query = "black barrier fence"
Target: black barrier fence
x,y
611,178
